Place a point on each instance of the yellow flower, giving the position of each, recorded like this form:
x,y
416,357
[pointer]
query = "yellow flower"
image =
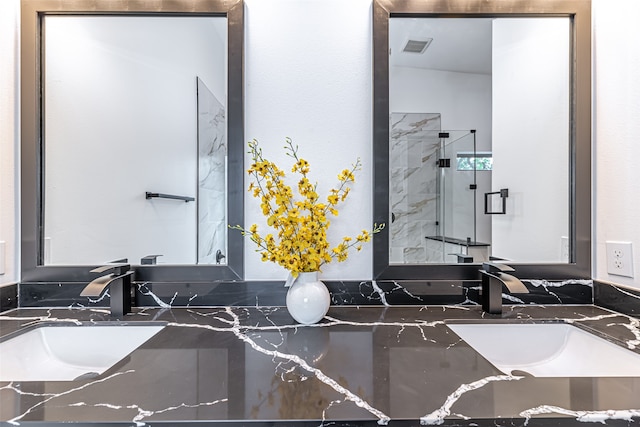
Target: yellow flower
x,y
364,237
301,166
346,175
344,194
300,242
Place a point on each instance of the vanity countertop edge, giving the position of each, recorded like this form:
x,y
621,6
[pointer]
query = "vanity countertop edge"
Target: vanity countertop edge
x,y
369,365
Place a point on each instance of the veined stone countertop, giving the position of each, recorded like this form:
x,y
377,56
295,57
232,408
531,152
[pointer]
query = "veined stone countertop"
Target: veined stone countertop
x,y
359,366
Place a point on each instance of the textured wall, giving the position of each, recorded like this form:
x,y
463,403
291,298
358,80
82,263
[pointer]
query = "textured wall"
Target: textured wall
x,y
8,137
308,76
616,132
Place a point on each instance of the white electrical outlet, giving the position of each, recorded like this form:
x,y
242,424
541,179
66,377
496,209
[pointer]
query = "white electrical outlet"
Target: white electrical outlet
x,y
620,258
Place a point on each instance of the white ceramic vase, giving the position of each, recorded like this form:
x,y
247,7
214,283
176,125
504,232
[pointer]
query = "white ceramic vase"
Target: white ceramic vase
x,y
308,299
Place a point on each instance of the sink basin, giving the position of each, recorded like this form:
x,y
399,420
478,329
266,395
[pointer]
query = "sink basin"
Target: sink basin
x,y
66,353
548,350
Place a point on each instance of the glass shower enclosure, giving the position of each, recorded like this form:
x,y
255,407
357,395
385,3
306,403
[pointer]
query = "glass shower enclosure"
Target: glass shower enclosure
x,y
434,192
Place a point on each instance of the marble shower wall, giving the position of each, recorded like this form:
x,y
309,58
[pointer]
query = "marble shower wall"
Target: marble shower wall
x,y
212,159
413,183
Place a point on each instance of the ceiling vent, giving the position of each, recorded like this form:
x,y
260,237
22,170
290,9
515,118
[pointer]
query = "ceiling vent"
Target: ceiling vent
x,y
417,46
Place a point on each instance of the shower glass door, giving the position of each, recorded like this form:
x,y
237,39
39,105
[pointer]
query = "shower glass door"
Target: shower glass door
x,y
432,200
457,204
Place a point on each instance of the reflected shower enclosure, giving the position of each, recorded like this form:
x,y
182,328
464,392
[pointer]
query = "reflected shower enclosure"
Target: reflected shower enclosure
x,y
480,139
434,183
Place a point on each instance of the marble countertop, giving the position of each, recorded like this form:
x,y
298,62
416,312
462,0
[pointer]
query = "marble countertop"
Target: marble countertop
x,y
359,366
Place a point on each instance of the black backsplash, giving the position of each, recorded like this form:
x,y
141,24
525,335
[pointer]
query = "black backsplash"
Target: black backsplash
x,y
273,293
365,293
617,298
8,297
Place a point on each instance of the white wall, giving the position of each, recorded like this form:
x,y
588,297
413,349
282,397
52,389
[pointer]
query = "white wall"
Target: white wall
x,y
9,134
531,137
312,81
308,76
616,131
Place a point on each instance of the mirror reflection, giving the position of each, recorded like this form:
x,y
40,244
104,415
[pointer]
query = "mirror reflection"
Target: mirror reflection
x,y
479,139
135,139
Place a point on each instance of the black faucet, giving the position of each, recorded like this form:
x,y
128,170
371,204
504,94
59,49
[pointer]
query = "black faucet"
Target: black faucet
x,y
494,276
119,283
149,260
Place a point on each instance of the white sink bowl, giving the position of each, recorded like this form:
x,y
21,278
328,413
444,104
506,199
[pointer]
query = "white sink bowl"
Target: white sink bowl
x,y
66,353
548,350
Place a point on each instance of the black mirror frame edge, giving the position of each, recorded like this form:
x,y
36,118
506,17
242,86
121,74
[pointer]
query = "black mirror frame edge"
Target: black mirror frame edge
x,y
579,266
31,136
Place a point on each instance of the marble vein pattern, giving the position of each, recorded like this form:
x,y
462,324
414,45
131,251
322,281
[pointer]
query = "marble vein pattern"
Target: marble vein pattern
x,y
616,297
582,416
273,293
413,146
144,290
212,184
319,374
143,413
634,327
625,292
437,417
376,364
381,295
51,396
548,285
380,292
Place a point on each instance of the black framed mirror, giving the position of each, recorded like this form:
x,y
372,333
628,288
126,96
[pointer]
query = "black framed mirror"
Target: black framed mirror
x,y
55,202
400,25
